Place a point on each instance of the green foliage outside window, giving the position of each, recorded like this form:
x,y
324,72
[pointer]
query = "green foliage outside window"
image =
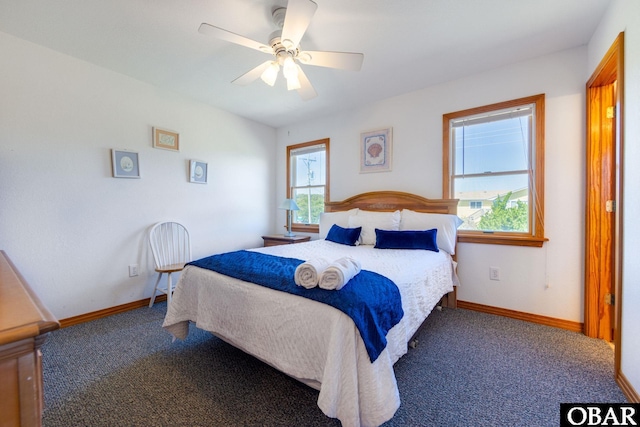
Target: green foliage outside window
x,y
504,218
317,207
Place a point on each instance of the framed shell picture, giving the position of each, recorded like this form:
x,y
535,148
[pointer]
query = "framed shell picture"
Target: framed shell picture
x,y
375,151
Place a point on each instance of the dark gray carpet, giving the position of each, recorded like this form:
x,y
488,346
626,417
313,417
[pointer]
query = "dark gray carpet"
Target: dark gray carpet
x,y
469,369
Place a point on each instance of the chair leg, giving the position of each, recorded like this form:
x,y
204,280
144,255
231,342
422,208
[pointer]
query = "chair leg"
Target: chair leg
x,y
169,290
155,290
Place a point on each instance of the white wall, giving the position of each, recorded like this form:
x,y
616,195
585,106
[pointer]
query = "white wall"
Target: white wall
x,y
72,229
416,119
624,15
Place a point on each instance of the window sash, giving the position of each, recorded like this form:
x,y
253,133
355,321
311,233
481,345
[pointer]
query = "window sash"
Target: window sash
x,y
305,197
297,156
486,190
469,155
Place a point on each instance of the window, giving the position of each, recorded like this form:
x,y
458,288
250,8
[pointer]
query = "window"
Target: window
x,y
494,164
308,182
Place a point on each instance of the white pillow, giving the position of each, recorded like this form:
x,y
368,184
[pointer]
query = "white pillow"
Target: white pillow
x,y
327,219
446,224
369,221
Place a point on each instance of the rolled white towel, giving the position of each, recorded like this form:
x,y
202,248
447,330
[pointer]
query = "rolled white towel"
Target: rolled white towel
x,y
338,273
308,273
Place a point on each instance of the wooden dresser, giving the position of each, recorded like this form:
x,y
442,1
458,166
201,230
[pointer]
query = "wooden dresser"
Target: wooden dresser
x,y
24,324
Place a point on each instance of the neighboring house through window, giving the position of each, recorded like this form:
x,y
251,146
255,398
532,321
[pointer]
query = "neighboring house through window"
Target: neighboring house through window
x,y
494,164
308,182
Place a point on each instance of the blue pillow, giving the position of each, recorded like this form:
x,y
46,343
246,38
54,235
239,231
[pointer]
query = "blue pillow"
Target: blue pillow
x,y
422,239
344,236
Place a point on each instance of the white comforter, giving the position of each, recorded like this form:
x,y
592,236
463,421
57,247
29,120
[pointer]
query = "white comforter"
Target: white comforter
x,y
313,342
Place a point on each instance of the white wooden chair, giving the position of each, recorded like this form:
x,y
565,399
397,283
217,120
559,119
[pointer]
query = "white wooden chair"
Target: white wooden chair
x,y
171,248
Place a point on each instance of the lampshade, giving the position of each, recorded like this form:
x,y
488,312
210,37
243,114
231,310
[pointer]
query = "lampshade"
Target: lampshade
x,y
289,68
290,71
289,204
293,83
270,74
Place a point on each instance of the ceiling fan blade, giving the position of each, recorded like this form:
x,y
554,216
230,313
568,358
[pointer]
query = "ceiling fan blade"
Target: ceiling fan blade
x,y
341,60
252,75
306,90
296,21
221,34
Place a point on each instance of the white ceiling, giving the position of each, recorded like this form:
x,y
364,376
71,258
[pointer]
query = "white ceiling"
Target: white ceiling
x,y
407,44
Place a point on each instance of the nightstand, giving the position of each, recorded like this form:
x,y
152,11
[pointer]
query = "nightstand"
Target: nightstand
x,y
279,239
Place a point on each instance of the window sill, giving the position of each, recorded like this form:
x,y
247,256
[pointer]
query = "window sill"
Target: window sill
x,y
498,239
305,228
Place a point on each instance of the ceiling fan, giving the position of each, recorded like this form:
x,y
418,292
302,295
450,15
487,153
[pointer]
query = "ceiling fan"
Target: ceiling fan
x,y
284,45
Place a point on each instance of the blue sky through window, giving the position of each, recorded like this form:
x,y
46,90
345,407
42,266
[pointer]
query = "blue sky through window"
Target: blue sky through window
x,y
492,147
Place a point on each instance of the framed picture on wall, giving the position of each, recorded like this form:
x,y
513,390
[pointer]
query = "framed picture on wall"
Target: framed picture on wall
x,y
125,164
166,139
198,172
375,151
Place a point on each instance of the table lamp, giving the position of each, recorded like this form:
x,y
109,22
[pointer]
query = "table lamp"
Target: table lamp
x,y
289,205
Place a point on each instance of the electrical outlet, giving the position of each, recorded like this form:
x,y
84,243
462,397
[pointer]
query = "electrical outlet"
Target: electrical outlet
x,y
494,273
133,270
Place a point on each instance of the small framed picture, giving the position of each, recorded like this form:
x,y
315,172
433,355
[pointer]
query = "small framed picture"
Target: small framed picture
x,y
375,151
198,172
166,139
125,164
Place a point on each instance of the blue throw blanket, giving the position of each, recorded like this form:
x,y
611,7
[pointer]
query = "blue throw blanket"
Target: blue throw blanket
x,y
370,299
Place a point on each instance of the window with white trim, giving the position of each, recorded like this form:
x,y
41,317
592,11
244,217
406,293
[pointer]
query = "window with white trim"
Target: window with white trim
x,y
494,165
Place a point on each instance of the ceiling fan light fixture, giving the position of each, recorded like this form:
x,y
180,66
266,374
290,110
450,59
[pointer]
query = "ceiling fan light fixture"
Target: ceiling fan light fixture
x,y
289,68
290,72
292,22
270,74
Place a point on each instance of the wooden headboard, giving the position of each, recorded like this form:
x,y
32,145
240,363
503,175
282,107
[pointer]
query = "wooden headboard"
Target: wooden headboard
x,y
389,201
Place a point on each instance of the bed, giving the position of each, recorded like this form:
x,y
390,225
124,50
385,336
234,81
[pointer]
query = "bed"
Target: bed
x,y
313,342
